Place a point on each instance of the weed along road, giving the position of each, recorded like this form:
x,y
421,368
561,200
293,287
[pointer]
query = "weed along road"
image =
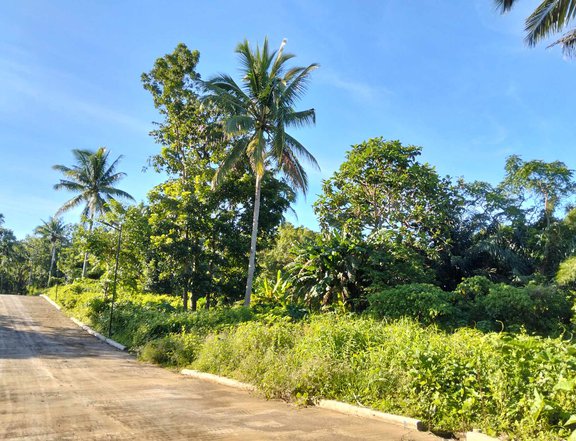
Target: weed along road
x,y
59,383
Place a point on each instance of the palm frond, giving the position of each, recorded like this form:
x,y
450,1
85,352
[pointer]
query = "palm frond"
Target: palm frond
x,y
293,171
69,205
279,61
69,185
257,152
504,5
61,168
107,190
92,177
299,78
238,124
549,17
300,150
301,119
568,43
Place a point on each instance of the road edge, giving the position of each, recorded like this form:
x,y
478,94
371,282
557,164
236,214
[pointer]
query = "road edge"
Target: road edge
x,y
338,406
86,328
218,379
366,412
99,336
52,302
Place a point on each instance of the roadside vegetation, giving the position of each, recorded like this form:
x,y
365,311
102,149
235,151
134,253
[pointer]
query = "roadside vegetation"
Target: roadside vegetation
x,y
442,299
453,380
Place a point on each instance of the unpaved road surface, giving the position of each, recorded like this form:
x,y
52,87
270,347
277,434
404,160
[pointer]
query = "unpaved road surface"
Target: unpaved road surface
x,y
59,383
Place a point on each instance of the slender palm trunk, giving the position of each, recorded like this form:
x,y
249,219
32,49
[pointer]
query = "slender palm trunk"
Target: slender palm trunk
x,y
252,261
85,264
52,260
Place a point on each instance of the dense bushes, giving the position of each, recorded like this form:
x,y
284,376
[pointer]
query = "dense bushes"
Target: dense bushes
x,y
478,303
424,302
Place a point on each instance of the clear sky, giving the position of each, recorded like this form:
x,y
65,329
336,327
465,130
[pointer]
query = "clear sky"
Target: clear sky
x,y
451,76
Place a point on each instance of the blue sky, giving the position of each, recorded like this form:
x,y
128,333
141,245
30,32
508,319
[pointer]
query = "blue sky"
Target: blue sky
x,y
451,76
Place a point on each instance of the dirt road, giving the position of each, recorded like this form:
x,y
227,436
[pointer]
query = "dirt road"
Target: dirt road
x,y
59,383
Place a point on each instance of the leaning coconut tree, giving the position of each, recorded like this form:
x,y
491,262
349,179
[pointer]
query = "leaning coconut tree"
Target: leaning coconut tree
x,y
259,110
93,180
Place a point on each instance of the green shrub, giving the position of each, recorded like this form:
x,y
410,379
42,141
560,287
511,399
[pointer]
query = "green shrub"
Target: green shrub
x,y
423,302
173,350
540,309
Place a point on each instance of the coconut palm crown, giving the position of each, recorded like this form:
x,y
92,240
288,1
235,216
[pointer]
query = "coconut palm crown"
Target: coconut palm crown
x,y
259,111
549,17
93,179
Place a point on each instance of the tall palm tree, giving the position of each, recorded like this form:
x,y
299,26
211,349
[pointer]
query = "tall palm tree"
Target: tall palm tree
x,y
54,230
93,179
259,111
550,17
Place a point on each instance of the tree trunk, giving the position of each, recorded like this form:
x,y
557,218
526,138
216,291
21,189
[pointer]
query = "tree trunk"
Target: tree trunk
x,y
252,261
52,260
185,297
193,289
85,264
547,210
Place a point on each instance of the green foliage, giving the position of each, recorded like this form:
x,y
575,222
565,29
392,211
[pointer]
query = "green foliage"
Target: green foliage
x,y
381,191
331,271
566,275
284,249
172,350
269,294
542,309
257,115
426,303
336,269
546,19
22,263
93,178
199,236
477,302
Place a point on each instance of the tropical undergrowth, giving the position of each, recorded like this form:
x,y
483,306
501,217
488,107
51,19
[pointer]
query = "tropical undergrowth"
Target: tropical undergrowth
x,y
514,384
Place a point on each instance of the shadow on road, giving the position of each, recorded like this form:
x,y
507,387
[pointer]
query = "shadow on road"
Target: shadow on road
x,y
27,338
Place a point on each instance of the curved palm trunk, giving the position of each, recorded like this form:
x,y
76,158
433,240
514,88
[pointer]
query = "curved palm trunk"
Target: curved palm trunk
x,y
52,260
252,261
85,264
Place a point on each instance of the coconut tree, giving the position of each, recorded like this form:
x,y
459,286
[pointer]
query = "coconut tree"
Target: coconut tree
x,y
93,178
53,230
259,111
550,17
